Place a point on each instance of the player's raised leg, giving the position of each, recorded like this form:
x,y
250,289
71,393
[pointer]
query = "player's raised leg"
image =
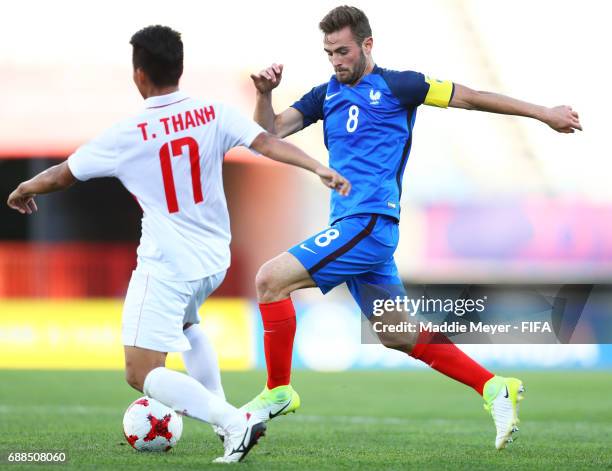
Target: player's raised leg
x,y
275,281
436,350
501,395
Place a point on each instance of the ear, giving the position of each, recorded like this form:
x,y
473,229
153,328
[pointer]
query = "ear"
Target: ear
x,y
139,75
367,45
140,80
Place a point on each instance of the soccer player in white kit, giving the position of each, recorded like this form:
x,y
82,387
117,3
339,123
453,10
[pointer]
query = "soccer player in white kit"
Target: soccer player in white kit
x,y
170,156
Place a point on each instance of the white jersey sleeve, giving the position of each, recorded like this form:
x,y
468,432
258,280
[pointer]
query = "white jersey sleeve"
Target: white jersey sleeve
x,y
236,129
97,158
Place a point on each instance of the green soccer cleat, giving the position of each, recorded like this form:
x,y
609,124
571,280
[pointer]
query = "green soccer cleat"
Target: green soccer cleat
x,y
502,396
271,403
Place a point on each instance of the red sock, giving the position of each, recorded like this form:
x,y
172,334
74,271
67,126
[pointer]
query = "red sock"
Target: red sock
x,y
279,330
442,355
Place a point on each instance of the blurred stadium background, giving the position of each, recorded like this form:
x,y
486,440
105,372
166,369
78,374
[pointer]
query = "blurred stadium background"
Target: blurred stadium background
x,y
487,199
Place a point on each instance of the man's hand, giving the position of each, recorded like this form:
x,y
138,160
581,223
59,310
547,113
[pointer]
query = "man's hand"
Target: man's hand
x,y
268,79
58,177
283,124
21,201
334,180
562,119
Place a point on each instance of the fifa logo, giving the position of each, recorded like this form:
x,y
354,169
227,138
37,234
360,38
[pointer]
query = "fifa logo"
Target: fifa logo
x,y
374,97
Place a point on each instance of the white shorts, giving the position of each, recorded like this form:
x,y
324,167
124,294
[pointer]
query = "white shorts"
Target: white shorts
x,y
155,310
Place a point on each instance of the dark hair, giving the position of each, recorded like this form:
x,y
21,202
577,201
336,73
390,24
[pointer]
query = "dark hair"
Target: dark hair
x,y
343,16
158,50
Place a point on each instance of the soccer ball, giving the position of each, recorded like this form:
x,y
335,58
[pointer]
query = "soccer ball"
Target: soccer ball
x,y
148,425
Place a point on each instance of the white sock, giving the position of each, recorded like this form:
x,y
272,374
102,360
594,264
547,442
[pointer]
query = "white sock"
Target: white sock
x,y
201,361
187,396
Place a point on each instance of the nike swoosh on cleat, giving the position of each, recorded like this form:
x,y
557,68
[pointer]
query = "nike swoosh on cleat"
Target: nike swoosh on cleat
x,y
506,395
280,411
257,432
240,447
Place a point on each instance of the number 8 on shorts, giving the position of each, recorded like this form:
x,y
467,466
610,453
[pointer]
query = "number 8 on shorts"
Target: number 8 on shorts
x,y
323,240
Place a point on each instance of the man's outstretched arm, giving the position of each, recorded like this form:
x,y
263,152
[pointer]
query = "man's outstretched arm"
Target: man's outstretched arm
x,y
282,151
58,177
561,118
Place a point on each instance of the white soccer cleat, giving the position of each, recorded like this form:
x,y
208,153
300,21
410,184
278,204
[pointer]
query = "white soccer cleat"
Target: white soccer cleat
x,y
502,396
238,444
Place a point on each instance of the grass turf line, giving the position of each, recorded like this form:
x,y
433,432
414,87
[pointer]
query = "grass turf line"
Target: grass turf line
x,y
349,420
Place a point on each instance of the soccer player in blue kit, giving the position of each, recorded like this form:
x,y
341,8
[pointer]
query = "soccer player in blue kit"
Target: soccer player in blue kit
x,y
368,114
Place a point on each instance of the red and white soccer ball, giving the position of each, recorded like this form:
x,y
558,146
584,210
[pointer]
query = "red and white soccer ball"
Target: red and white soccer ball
x,y
149,425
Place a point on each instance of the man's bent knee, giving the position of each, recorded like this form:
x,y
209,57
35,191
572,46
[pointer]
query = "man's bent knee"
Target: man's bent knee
x,y
279,277
269,284
139,362
135,378
404,342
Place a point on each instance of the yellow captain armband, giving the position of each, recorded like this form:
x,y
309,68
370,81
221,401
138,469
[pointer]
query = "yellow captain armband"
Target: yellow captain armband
x,y
440,92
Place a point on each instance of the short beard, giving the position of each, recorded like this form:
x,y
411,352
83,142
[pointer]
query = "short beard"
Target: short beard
x,y
357,72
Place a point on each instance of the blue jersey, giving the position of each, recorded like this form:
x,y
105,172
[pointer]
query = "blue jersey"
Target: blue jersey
x,y
368,133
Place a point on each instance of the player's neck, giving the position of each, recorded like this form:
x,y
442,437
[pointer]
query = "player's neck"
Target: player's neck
x,y
158,91
368,70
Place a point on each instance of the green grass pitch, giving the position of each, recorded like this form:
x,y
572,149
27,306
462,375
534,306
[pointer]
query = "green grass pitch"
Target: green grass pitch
x,y
351,420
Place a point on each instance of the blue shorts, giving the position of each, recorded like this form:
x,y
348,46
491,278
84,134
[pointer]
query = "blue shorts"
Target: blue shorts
x,y
356,250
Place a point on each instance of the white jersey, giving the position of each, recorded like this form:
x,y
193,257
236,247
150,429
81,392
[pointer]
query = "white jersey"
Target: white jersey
x,y
170,158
